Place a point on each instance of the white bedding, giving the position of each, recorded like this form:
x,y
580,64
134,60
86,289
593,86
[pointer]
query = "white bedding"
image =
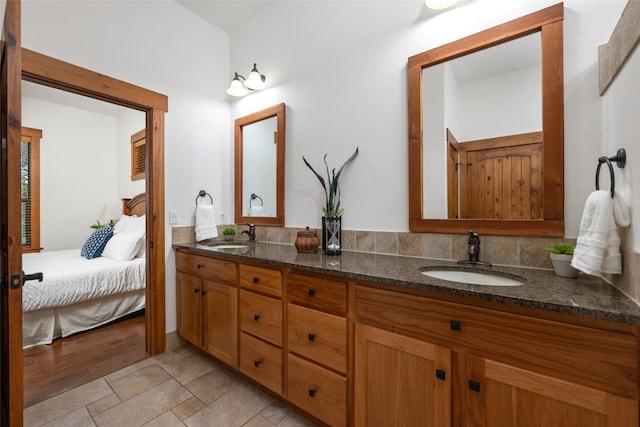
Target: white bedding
x,y
70,278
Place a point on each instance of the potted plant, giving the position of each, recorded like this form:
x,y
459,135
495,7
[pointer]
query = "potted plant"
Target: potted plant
x,y
561,255
332,220
229,233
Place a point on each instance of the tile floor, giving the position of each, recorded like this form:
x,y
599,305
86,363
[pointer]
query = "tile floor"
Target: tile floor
x,y
180,387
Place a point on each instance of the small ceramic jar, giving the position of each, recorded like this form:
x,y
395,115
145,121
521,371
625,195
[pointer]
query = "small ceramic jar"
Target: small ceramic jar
x,y
307,241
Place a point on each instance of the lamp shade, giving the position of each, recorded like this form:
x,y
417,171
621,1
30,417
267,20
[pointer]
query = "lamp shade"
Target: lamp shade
x,y
255,80
236,88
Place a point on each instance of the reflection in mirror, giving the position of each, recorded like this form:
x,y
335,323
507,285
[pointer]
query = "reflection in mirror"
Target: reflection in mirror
x,y
259,167
479,110
486,131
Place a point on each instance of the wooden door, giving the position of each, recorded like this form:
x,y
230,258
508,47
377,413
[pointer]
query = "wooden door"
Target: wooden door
x,y
506,396
400,381
501,178
11,387
453,181
221,322
189,299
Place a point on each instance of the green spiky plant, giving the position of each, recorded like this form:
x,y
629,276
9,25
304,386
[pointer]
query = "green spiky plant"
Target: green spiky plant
x,y
331,186
561,248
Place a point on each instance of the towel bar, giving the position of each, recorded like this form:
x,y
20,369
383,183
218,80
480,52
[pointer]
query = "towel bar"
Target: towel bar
x,y
253,197
621,160
203,193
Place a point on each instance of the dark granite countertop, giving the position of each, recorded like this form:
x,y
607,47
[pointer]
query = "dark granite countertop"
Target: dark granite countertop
x,y
585,296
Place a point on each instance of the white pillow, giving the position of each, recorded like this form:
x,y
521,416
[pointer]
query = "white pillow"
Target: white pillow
x,y
123,247
131,224
142,252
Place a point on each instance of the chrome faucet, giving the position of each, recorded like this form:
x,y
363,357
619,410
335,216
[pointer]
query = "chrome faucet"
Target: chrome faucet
x,y
474,246
251,232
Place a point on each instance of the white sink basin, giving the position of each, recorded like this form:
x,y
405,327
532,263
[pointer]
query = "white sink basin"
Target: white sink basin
x,y
473,277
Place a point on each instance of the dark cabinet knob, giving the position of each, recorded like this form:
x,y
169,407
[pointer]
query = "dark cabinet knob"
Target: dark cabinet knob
x,y
204,292
256,363
256,317
196,290
199,266
455,325
474,386
312,292
312,392
311,337
256,280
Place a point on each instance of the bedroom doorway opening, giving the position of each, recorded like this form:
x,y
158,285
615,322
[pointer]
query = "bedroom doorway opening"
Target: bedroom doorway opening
x,y
66,347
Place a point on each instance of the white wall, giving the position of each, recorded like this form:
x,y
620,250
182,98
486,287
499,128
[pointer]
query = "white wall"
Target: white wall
x,y
163,47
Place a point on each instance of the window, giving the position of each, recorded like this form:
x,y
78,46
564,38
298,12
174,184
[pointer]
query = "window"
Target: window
x,y
30,189
138,155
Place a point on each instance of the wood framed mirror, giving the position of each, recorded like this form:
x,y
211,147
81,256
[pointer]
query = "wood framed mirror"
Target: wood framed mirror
x,y
517,198
259,167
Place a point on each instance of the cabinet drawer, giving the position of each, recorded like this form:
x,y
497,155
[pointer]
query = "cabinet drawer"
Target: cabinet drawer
x,y
318,391
324,294
209,268
319,336
262,362
260,279
599,358
261,316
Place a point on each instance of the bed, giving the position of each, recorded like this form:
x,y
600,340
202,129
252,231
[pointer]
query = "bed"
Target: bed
x,y
77,293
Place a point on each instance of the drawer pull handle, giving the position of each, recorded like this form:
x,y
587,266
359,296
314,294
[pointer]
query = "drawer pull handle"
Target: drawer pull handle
x,y
441,375
311,337
474,386
256,280
204,292
196,290
312,292
199,266
256,363
256,317
312,392
455,325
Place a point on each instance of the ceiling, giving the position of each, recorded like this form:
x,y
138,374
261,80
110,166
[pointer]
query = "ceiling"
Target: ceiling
x,y
225,14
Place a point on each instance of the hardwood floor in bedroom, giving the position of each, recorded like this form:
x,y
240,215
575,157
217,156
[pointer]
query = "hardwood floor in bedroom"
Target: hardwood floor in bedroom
x,y
67,363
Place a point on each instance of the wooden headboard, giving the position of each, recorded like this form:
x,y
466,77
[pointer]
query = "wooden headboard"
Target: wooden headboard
x,y
135,206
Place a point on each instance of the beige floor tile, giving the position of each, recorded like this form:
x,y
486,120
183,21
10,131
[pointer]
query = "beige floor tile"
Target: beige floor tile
x,y
145,406
243,402
139,381
295,419
275,412
213,385
259,421
168,419
65,403
184,364
187,408
78,418
129,369
103,404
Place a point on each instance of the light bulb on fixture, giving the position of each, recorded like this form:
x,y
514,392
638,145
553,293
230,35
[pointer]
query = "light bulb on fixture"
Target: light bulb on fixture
x,y
240,86
440,4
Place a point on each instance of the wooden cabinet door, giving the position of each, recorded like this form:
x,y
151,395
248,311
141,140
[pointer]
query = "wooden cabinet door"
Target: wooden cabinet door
x,y
190,308
400,381
504,395
221,322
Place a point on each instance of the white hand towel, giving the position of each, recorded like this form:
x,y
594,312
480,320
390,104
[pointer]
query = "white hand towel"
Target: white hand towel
x,y
256,211
205,223
598,246
623,200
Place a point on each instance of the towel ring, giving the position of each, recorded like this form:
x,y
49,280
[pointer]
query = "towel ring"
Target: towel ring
x,y
253,197
203,193
621,160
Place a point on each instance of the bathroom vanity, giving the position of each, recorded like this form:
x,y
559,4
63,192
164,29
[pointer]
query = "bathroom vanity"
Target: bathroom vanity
x,y
366,339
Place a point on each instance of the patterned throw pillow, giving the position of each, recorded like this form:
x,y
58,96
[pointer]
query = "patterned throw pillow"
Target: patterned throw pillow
x,y
95,244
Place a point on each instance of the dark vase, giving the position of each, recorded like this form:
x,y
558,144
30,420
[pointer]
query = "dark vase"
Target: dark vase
x,y
332,235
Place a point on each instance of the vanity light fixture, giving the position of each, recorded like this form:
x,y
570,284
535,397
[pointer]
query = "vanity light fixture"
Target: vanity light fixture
x,y
240,85
440,4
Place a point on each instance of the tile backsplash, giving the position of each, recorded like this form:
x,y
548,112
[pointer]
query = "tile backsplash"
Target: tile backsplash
x,y
528,252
